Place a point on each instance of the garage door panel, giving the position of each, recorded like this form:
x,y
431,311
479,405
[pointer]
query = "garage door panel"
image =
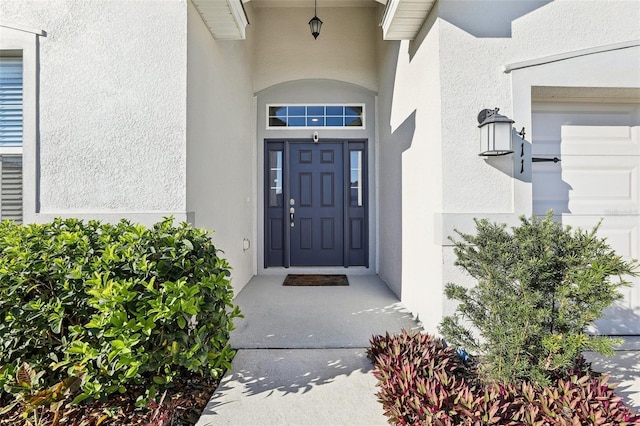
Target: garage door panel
x,y
622,234
599,140
584,185
603,185
598,178
552,115
623,318
589,140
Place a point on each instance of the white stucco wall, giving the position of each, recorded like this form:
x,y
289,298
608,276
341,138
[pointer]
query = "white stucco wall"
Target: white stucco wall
x,y
489,38
447,75
221,163
477,40
389,178
286,51
410,171
112,112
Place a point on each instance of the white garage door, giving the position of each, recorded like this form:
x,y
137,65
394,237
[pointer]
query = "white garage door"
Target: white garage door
x,y
598,178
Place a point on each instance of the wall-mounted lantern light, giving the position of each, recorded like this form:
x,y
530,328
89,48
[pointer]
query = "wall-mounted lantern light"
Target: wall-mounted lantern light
x,y
495,133
315,23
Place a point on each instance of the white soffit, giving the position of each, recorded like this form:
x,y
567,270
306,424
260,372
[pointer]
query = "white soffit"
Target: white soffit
x,y
403,18
226,19
309,3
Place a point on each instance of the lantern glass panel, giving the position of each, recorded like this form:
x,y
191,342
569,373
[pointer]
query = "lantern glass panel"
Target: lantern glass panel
x,y
502,137
486,138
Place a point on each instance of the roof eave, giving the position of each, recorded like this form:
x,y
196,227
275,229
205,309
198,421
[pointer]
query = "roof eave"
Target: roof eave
x,y
403,19
225,19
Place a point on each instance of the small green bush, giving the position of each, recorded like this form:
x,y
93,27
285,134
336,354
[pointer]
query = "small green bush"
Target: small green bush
x,y
423,383
115,305
539,287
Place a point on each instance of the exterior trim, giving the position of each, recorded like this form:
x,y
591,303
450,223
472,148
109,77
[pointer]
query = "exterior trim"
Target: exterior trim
x,y
42,33
569,55
27,42
350,256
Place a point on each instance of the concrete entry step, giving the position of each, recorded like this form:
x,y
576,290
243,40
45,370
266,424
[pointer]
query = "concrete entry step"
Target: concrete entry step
x,y
316,317
296,387
301,354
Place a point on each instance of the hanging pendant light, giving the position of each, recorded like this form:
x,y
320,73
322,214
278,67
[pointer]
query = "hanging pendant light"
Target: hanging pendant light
x,y
315,23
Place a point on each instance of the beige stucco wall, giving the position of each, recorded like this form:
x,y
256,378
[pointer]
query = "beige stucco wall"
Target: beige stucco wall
x,y
290,66
286,51
112,112
221,163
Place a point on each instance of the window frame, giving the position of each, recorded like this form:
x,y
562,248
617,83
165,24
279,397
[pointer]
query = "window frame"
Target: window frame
x,y
23,41
315,104
13,149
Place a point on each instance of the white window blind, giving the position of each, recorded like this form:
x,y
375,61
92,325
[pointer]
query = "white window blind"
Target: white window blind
x,y
10,137
11,187
10,102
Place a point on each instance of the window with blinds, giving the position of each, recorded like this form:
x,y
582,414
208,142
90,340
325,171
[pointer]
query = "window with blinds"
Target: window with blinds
x,y
11,138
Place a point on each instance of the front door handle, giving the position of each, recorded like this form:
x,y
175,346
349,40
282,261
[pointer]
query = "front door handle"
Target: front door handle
x,y
292,212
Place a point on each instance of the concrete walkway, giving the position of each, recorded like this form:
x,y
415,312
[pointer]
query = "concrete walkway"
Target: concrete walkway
x,y
301,354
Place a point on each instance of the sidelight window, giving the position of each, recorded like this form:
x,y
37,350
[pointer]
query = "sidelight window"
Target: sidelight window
x,y
275,178
355,173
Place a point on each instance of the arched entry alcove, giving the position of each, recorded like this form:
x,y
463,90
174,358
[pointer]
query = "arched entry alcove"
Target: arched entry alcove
x,y
316,177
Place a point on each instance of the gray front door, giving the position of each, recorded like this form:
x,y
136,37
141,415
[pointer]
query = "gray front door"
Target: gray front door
x,y
317,200
314,192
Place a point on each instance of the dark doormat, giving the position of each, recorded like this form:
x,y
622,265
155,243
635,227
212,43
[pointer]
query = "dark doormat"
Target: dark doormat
x,y
315,280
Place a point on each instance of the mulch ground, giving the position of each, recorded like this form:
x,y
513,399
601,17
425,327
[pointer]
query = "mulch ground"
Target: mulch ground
x,y
182,405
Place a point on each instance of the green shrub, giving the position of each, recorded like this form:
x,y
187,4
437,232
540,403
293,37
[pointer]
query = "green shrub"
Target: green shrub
x,y
539,288
422,383
116,305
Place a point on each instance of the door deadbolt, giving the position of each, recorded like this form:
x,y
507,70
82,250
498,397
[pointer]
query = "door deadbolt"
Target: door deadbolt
x,y
292,211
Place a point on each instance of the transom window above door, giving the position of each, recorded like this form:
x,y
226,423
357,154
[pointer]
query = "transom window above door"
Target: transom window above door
x,y
349,116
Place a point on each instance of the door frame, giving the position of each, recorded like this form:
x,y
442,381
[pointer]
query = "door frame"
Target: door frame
x,y
316,91
361,144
